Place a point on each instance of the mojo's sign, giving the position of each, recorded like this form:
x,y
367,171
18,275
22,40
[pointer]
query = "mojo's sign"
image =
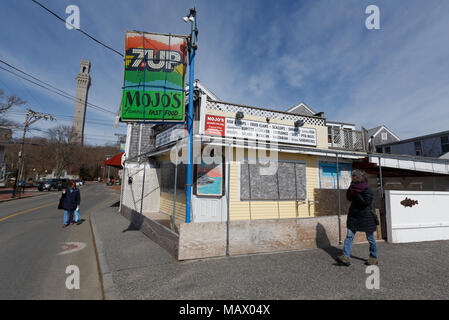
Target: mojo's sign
x,y
154,77
255,130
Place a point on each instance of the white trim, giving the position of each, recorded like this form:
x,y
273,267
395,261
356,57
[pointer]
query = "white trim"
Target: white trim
x,y
202,113
128,139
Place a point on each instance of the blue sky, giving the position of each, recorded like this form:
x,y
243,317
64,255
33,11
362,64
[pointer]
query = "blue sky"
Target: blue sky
x,y
271,54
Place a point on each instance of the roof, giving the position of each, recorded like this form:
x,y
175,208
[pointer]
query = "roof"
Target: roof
x,y
432,135
413,163
375,131
372,131
301,109
339,122
198,85
445,156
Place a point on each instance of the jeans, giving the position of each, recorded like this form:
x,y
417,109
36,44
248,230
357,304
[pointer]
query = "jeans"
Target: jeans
x,y
77,216
350,239
68,216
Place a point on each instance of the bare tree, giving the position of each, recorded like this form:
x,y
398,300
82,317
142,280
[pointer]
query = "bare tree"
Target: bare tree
x,y
6,104
60,137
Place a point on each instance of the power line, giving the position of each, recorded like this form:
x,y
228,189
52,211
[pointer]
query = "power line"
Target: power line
x,y
49,87
80,30
99,122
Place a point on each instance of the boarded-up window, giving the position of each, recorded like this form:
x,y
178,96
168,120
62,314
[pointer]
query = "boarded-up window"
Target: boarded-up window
x,y
287,183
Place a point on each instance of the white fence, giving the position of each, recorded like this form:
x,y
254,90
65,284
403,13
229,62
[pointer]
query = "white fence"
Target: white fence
x,y
414,216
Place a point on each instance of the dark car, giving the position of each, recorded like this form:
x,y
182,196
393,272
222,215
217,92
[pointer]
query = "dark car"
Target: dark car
x,y
53,184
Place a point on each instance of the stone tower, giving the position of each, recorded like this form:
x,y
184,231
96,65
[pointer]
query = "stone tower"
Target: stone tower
x,y
82,90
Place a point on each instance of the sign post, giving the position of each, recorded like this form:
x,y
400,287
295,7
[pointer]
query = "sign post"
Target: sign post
x,y
192,49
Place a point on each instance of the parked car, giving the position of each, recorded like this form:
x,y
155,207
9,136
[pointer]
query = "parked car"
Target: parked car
x,y
53,184
79,183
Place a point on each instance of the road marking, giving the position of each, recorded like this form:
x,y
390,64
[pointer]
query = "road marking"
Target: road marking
x,y
29,210
70,247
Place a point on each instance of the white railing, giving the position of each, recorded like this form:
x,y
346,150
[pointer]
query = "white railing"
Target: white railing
x,y
346,139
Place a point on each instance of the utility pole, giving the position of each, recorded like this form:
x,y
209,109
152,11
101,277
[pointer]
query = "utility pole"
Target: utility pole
x,y
31,117
192,47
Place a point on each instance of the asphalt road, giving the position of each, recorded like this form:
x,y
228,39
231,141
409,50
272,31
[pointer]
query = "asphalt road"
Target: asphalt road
x,y
143,270
32,240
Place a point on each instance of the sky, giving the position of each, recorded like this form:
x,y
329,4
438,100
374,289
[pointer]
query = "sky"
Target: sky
x,y
269,54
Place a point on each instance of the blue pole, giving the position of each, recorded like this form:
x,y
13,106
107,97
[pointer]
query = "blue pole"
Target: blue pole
x,y
190,127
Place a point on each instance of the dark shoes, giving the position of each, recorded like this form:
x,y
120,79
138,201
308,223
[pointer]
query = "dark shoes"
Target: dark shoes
x,y
64,225
371,261
344,259
347,262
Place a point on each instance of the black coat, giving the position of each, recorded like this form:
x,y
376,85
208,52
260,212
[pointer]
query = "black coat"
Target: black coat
x,y
360,216
71,199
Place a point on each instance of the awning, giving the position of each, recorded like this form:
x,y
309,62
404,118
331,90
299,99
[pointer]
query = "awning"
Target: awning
x,y
413,163
115,161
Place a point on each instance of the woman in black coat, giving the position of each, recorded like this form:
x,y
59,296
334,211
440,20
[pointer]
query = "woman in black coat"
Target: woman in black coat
x,y
360,217
71,202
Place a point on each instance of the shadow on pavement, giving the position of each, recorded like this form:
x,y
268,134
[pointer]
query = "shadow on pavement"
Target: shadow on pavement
x,y
131,227
116,205
322,242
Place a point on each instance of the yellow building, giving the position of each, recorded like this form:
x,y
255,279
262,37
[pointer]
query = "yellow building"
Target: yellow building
x,y
256,179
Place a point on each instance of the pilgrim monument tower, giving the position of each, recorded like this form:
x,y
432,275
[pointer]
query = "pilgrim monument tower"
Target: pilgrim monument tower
x,y
82,90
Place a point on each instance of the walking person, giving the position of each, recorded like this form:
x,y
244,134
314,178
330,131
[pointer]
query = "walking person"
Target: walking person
x,y
360,217
71,204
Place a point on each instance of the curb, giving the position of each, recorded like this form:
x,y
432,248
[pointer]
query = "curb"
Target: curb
x,y
107,281
11,199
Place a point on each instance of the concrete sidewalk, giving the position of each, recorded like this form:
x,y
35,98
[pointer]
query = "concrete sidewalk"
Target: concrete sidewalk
x,y
140,269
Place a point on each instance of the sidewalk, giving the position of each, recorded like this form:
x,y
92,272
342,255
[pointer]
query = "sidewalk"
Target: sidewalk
x,y
137,268
6,193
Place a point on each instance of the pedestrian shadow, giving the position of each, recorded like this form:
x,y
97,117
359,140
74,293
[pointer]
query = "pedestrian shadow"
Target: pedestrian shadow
x,y
131,227
116,204
323,242
136,222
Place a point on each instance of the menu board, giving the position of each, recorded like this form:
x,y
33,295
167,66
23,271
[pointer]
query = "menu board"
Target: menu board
x,y
256,130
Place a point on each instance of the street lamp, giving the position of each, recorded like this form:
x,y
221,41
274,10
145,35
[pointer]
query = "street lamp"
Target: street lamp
x,y
192,47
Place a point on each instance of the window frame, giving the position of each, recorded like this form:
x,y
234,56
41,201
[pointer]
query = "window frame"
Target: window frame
x,y
245,162
418,147
444,144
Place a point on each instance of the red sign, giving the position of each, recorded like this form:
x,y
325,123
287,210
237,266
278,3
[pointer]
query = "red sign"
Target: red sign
x,y
215,125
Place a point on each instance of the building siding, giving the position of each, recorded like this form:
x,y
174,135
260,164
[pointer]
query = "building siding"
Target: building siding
x,y
378,138
431,147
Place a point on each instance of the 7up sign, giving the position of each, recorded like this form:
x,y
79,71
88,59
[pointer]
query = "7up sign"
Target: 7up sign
x,y
154,77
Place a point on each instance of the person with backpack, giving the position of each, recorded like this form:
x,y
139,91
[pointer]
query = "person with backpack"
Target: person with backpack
x,y
71,200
